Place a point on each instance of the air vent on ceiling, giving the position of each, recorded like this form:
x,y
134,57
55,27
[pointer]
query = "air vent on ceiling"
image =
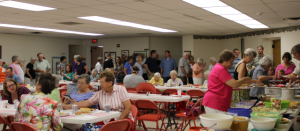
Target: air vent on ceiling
x,y
69,23
292,19
36,32
144,33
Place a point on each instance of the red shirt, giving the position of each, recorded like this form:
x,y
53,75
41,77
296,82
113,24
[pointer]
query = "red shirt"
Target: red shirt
x,y
218,95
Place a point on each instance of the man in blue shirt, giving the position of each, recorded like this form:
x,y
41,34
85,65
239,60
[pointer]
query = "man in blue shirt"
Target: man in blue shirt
x,y
151,64
10,74
167,65
236,52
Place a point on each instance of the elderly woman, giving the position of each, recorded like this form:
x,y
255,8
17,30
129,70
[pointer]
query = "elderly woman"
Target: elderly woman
x,y
133,79
20,65
213,62
287,66
2,72
127,66
119,70
206,74
83,92
94,75
138,64
30,74
55,94
174,81
157,80
240,70
68,76
80,67
42,113
260,73
62,63
217,98
198,68
12,91
110,94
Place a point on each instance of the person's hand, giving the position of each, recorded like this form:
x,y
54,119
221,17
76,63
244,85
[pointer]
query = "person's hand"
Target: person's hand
x,y
67,100
292,77
44,72
247,79
150,73
275,78
72,100
31,78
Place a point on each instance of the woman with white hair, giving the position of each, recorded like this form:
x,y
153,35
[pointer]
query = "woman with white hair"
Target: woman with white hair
x,y
138,64
197,71
240,70
30,74
94,76
206,74
174,81
20,65
157,80
213,62
260,74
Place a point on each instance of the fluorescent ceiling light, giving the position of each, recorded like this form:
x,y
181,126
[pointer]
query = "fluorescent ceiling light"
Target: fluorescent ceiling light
x,y
222,9
48,29
125,23
24,6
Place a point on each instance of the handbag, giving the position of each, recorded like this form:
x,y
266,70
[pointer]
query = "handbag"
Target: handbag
x,y
90,127
195,111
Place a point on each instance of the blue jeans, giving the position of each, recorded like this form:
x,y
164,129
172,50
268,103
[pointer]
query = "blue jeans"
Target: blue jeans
x,y
166,79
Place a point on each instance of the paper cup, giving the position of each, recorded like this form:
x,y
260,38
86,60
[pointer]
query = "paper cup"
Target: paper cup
x,y
179,92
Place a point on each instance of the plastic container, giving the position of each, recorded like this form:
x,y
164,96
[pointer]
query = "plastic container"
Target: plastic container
x,y
278,118
224,121
239,125
284,104
240,111
263,124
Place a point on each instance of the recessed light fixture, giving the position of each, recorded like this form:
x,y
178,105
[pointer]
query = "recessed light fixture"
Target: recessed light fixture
x,y
48,29
24,6
125,23
222,9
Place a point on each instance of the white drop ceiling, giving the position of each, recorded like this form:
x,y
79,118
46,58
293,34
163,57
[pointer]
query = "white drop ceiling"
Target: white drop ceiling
x,y
169,14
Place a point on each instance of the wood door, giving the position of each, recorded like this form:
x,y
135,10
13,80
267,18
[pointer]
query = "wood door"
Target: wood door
x,y
95,52
276,52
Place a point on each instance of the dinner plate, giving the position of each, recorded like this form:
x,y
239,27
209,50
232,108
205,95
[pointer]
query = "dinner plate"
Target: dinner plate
x,y
66,114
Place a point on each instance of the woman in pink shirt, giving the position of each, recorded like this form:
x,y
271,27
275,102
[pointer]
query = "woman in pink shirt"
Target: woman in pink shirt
x,y
287,66
198,70
220,84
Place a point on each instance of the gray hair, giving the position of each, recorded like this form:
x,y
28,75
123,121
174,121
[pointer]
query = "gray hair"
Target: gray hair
x,y
185,53
157,74
21,61
56,80
86,77
199,60
14,58
213,59
75,79
173,72
250,52
295,49
206,72
94,71
32,58
138,58
266,60
99,59
75,56
78,58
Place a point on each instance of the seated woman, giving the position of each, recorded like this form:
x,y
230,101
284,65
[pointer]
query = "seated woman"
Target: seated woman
x,y
12,91
174,81
42,113
94,75
133,79
83,92
55,94
157,80
114,95
206,74
68,76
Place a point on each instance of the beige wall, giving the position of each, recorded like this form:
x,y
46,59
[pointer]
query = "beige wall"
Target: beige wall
x,y
188,43
28,46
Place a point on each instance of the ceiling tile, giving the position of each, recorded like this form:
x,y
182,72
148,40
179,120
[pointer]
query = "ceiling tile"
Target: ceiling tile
x,y
141,6
166,21
241,2
289,14
172,4
194,12
287,6
252,8
224,23
50,3
116,1
213,18
277,1
271,21
166,14
14,19
43,15
267,15
114,8
83,2
204,24
143,16
278,25
65,13
294,24
186,19
89,11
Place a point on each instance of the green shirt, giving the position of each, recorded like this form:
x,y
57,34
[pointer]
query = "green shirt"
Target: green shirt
x,y
255,62
41,65
55,95
69,75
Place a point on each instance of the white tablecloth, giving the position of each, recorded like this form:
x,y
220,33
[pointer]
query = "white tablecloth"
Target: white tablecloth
x,y
158,97
180,88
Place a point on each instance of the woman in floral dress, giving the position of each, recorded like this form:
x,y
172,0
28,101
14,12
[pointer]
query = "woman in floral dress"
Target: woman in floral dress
x,y
38,110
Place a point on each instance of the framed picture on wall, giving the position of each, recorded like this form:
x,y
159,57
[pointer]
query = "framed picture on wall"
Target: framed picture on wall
x,y
113,56
124,52
189,52
55,65
141,52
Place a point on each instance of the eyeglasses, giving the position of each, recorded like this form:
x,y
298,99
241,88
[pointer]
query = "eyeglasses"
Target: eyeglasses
x,y
11,86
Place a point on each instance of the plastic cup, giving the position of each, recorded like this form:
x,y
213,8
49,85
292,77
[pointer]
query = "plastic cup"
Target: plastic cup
x,y
165,84
2,104
179,92
107,107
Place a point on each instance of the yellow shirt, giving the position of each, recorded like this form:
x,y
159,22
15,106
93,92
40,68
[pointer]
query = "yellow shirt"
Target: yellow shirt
x,y
160,81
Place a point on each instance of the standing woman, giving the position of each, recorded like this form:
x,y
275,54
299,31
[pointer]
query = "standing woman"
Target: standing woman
x,y
198,69
127,66
21,64
191,64
138,64
119,70
61,68
287,65
217,99
240,70
30,74
213,62
80,67
68,76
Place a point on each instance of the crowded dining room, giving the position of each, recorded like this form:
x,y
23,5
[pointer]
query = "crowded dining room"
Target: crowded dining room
x,y
135,65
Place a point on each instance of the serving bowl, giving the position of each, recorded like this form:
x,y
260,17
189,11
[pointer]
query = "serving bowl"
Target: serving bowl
x,y
224,121
263,124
